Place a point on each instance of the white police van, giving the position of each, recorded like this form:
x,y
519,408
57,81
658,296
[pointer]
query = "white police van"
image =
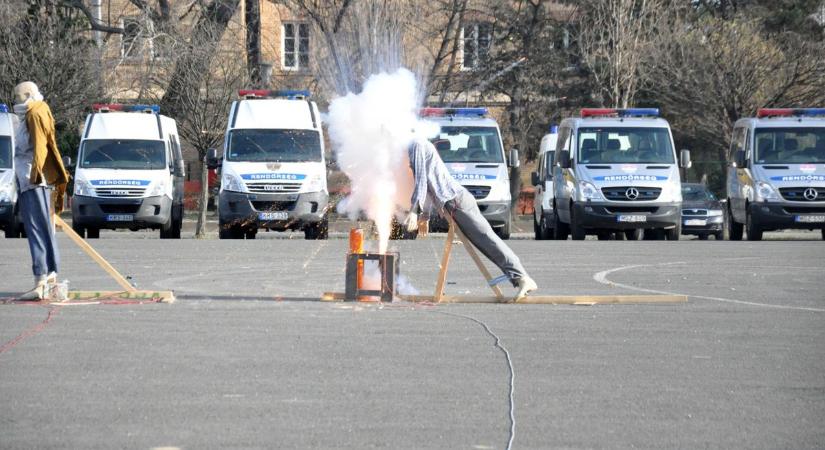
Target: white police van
x,y
470,145
273,174
129,172
542,179
616,171
8,185
776,175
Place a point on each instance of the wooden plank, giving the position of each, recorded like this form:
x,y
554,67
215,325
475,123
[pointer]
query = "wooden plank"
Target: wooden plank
x,y
120,279
584,300
480,264
445,261
161,296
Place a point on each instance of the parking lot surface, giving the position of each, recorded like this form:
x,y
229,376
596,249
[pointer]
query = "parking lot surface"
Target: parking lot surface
x,y
248,358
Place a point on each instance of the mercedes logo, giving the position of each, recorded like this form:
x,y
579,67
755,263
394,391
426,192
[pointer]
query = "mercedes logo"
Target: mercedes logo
x,y
810,194
633,193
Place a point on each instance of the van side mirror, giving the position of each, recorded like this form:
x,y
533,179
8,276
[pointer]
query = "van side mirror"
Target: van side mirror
x,y
563,159
739,159
67,161
212,160
179,170
684,159
534,177
513,160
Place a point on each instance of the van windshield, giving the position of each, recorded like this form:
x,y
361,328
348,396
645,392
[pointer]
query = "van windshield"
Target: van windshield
x,y
126,154
469,144
5,152
274,146
790,145
625,145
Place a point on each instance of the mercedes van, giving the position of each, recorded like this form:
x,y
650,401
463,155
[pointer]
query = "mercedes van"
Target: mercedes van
x,y
273,173
129,172
776,174
9,222
617,171
470,145
542,180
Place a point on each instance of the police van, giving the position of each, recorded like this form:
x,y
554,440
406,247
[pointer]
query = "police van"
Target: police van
x,y
470,145
8,185
542,180
776,174
129,172
617,174
273,174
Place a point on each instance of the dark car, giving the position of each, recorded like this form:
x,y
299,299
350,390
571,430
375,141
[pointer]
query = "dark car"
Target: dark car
x,y
702,213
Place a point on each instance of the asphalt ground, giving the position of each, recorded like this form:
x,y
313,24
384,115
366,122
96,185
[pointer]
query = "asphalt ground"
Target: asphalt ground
x,y
247,358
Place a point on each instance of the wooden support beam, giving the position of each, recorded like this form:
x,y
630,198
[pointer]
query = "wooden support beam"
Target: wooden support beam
x,y
584,300
84,296
445,262
480,264
120,279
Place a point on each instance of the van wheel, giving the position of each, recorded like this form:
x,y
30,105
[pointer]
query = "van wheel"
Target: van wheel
x,y
823,234
560,230
504,232
752,229
537,229
735,229
654,234
546,232
720,236
79,229
674,234
317,231
226,231
703,237
92,233
249,233
603,235
634,235
577,232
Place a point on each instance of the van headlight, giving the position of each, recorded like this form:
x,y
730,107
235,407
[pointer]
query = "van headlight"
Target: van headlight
x,y
6,193
232,183
765,191
314,184
83,188
587,191
158,189
672,193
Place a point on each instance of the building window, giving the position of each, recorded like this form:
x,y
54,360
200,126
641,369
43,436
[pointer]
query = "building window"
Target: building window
x,y
130,42
477,39
295,44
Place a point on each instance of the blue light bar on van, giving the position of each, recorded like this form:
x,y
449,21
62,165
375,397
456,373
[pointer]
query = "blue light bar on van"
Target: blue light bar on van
x,y
290,94
790,112
109,107
462,112
620,112
3,108
554,129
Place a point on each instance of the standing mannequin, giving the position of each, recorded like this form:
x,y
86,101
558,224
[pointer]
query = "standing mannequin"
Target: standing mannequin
x,y
38,167
433,182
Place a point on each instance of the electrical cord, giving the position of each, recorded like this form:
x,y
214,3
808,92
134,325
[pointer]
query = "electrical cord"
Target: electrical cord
x,y
506,353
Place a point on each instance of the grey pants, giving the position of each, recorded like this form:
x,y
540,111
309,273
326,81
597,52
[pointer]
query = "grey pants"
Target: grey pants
x,y
464,211
36,216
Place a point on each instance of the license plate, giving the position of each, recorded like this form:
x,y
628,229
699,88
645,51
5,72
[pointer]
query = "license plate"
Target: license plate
x,y
277,215
810,219
696,222
120,218
631,218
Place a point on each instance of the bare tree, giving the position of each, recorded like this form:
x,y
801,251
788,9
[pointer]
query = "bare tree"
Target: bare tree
x,y
615,37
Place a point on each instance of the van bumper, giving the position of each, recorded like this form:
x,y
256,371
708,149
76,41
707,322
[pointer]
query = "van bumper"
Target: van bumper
x,y
6,214
237,208
778,216
111,213
606,215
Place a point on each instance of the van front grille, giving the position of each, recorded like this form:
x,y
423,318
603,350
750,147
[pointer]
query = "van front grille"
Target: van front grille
x,y
626,193
130,192
797,194
479,192
273,188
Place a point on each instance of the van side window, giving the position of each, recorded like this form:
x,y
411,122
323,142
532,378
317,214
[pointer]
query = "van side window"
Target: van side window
x,y
737,143
562,143
540,166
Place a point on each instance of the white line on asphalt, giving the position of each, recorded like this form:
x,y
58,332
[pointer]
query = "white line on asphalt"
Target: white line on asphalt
x,y
601,277
312,256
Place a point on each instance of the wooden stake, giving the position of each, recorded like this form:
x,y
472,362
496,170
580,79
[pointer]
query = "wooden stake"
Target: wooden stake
x,y
121,281
445,261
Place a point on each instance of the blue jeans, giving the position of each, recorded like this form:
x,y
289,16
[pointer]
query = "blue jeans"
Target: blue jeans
x,y
36,216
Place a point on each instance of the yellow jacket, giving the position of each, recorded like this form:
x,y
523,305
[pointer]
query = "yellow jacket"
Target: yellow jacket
x,y
46,163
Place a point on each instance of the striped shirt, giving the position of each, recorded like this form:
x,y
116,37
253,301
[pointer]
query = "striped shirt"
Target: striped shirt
x,y
431,177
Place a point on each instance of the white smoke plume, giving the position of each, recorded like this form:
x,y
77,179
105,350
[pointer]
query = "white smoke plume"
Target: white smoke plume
x,y
370,132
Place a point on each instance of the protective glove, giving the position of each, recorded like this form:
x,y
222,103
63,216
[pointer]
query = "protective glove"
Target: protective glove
x,y
411,223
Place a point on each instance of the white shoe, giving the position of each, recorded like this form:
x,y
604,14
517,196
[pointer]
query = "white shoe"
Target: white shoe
x,y
38,292
525,286
57,292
